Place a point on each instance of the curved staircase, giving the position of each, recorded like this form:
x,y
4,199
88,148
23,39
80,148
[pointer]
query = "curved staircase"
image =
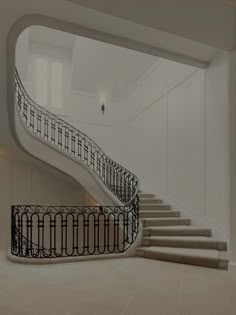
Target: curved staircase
x,y
42,232
168,237
49,231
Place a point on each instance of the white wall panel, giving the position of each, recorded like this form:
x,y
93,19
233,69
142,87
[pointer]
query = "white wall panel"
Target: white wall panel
x,y
176,73
143,143
186,143
21,182
216,142
147,91
48,189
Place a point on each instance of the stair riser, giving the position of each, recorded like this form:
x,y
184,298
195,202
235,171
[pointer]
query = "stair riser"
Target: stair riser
x,y
196,261
154,207
176,233
185,244
159,214
150,201
146,195
166,222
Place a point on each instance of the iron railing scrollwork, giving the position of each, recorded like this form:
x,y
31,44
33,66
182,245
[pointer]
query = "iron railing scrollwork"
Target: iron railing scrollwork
x,y
60,231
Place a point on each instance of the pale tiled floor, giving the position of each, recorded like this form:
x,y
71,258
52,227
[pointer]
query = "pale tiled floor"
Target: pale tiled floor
x,y
132,286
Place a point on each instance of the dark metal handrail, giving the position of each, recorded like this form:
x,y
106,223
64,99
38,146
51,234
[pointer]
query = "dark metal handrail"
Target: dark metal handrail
x,y
60,135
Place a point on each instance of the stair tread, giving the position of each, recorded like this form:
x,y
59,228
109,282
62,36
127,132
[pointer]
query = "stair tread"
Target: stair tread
x,y
194,242
174,228
147,199
187,252
155,207
158,210
151,201
165,219
147,195
158,204
184,238
145,214
153,214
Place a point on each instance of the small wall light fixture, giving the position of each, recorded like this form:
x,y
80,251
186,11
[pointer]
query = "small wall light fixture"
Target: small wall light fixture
x,y
103,108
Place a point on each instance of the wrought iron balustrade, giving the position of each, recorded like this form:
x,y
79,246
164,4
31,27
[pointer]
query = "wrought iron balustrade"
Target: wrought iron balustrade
x,y
52,231
61,231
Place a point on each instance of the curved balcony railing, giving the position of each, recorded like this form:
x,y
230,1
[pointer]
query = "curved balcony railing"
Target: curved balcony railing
x,y
59,231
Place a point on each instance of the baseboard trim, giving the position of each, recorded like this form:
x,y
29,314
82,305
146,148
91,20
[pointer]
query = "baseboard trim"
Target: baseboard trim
x,y
46,261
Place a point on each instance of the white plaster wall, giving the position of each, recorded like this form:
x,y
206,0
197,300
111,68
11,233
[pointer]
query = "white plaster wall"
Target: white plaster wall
x,y
217,145
175,139
84,109
232,141
185,143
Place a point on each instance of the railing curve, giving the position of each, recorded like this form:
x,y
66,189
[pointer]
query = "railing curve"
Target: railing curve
x,y
48,228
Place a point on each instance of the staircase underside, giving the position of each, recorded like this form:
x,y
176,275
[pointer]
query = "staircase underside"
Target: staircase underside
x,y
168,237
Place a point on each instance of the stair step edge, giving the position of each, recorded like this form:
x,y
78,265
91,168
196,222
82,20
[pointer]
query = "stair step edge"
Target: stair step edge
x,y
175,230
187,256
189,241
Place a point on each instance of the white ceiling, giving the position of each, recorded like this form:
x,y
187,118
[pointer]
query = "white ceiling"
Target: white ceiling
x,y
98,68
102,68
47,36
